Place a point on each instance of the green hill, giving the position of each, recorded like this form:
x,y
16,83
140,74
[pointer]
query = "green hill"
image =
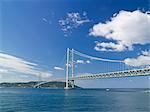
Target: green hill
x,y
31,84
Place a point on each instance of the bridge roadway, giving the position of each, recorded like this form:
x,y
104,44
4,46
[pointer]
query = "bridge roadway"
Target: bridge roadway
x,y
127,73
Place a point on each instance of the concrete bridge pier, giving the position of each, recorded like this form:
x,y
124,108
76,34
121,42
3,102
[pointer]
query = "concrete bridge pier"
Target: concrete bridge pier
x,y
72,84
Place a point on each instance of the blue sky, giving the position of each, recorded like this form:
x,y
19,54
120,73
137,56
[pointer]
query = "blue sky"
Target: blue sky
x,y
40,32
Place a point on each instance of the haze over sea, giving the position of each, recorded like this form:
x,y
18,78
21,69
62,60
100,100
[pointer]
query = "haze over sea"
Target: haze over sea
x,y
79,100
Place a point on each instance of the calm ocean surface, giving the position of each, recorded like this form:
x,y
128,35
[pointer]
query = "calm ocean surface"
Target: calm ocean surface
x,y
88,100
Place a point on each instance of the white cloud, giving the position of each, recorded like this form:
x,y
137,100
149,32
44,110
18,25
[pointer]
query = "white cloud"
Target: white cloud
x,y
49,17
73,20
47,20
3,71
13,64
103,46
58,68
44,19
83,62
126,28
80,61
142,60
88,62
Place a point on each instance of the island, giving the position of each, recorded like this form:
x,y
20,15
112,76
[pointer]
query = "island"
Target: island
x,y
31,84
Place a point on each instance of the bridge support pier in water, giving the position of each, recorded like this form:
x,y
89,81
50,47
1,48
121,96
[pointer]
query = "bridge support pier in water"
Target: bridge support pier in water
x,y
69,67
72,83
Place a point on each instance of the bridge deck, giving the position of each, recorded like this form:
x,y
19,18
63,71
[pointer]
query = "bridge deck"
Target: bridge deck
x,y
129,73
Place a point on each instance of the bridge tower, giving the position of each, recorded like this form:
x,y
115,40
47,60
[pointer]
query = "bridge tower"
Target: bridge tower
x,y
70,67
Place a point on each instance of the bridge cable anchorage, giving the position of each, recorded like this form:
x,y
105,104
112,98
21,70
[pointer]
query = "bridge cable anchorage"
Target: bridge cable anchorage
x,y
97,58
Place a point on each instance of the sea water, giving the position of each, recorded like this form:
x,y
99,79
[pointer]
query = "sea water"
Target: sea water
x,y
79,100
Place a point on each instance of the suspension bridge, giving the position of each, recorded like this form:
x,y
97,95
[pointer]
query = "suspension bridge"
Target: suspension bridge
x,y
123,71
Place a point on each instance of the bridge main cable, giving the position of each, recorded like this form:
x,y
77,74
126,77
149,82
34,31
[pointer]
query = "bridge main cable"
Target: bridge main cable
x,y
97,58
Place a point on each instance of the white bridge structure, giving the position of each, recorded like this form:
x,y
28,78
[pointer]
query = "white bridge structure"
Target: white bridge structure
x,y
71,77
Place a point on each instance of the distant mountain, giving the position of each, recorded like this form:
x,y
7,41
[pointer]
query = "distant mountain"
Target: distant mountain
x,y
31,84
